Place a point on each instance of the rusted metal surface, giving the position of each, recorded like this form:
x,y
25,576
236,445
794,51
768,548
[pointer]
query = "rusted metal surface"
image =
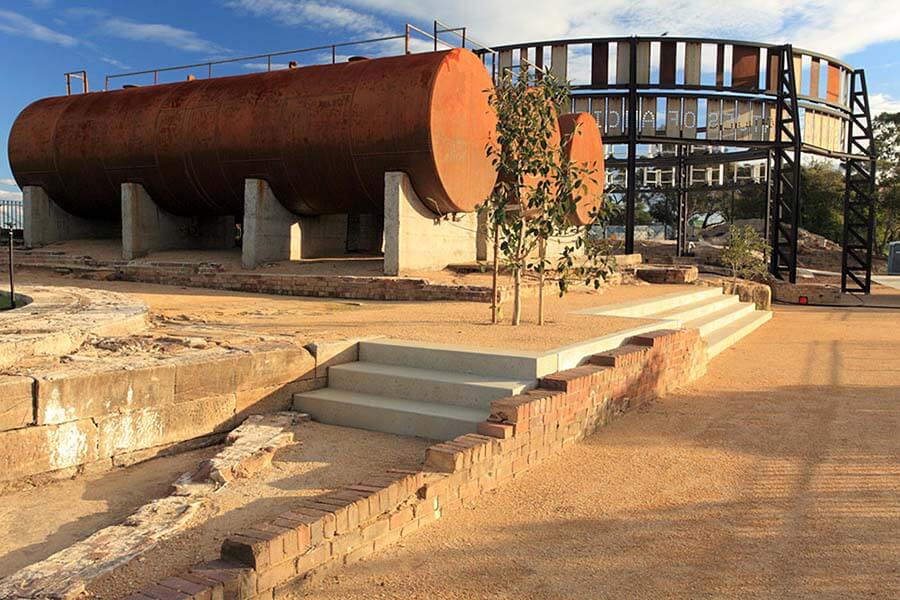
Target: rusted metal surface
x,y
322,136
745,67
583,146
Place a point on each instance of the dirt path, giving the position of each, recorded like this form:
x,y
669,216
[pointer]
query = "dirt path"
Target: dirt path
x,y
775,476
227,316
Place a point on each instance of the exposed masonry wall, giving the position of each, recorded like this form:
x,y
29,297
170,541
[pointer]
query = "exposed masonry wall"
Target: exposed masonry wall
x,y
73,420
214,276
345,526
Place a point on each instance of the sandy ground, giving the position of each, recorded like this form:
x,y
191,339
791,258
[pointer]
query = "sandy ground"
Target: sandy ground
x,y
72,509
38,522
231,316
775,476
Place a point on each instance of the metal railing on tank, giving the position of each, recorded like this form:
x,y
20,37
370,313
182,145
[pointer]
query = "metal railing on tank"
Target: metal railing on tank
x,y
409,36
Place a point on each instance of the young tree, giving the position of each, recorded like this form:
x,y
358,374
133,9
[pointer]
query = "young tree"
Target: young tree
x,y
537,189
745,253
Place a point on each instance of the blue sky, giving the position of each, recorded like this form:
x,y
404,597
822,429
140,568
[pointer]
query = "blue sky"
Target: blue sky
x,y
42,39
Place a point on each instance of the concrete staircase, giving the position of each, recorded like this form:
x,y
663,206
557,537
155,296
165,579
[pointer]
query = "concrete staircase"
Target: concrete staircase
x,y
426,390
722,319
440,392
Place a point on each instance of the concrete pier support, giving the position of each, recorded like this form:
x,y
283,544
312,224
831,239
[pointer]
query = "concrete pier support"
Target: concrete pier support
x,y
272,233
46,222
146,227
416,239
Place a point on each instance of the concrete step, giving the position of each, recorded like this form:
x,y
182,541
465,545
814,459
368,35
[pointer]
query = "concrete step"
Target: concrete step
x,y
689,312
427,385
730,334
651,306
712,322
421,355
389,415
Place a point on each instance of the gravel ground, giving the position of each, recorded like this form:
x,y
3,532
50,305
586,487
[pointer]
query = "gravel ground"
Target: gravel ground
x,y
775,476
226,316
326,458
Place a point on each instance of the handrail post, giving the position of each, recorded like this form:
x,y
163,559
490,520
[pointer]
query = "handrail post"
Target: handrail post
x,y
464,37
435,35
406,40
269,63
68,84
333,54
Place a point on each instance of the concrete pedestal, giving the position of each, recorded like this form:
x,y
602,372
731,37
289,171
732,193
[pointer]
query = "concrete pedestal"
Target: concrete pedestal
x,y
46,222
147,228
416,239
272,233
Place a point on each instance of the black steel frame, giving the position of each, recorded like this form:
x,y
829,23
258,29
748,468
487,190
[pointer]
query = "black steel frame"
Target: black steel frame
x,y
785,207
859,192
783,155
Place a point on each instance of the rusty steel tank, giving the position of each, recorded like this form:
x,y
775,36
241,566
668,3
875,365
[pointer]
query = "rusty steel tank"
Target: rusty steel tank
x,y
583,146
322,136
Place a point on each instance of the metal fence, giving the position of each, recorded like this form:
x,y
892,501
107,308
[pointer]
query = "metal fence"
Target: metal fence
x,y
11,214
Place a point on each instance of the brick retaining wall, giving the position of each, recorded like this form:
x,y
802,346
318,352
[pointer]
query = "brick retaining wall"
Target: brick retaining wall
x,y
347,525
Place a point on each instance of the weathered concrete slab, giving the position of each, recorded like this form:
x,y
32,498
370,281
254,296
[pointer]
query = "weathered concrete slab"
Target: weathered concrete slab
x,y
72,393
16,402
167,424
30,450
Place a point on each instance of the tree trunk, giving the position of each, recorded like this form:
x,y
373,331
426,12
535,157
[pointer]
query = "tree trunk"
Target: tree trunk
x,y
542,255
495,309
517,296
521,261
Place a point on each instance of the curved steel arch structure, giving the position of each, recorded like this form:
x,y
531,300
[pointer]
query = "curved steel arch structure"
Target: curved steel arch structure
x,y
773,102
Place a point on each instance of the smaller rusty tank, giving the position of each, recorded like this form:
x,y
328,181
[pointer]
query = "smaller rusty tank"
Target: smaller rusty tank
x,y
583,145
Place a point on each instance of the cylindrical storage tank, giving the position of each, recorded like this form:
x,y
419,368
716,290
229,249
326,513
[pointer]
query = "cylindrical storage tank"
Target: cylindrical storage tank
x,y
322,136
583,146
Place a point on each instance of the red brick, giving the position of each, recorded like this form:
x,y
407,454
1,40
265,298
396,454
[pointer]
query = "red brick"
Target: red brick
x,y
313,559
401,517
570,380
195,590
444,458
620,357
244,549
655,339
158,592
497,430
276,575
434,487
510,410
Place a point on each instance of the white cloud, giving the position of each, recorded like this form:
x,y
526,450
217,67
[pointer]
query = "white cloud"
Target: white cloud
x,y
13,23
116,63
9,182
6,195
311,13
881,103
160,33
836,27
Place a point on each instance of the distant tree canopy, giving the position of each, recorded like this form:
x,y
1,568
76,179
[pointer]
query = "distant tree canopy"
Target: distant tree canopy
x,y
822,200
887,190
821,196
